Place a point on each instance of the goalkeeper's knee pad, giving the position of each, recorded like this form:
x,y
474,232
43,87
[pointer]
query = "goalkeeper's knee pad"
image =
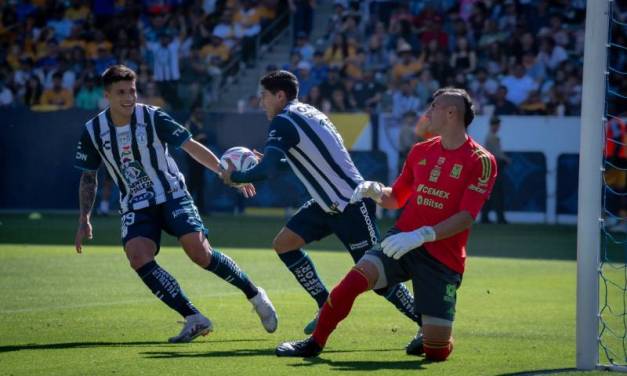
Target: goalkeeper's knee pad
x,y
437,351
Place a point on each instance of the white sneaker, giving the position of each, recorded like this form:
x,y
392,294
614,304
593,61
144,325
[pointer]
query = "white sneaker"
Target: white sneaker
x,y
195,325
265,310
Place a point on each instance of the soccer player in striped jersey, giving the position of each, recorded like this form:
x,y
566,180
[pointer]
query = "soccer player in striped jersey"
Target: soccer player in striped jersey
x,y
132,140
443,184
314,150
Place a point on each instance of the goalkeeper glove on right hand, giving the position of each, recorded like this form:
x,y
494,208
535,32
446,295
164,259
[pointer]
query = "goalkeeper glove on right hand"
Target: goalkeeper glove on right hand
x,y
371,189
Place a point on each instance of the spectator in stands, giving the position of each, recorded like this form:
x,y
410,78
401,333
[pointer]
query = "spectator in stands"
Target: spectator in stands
x,y
151,95
433,31
88,97
295,59
166,66
426,86
33,91
502,106
533,105
314,97
96,43
226,30
367,92
331,84
78,11
404,100
340,102
57,98
319,69
306,82
303,46
215,47
303,13
248,21
335,54
407,65
496,201
103,60
494,60
551,55
6,96
407,136
482,89
518,84
463,59
376,56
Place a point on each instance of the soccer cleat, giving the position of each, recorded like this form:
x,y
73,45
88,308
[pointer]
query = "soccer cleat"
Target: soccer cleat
x,y
265,310
194,326
414,347
307,348
309,328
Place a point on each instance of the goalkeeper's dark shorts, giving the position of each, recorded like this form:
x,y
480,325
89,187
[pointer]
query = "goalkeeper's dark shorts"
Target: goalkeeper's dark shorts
x,y
356,226
435,285
177,217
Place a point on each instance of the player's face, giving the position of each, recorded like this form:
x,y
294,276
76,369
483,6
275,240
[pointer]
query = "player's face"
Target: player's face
x,y
122,96
271,103
436,116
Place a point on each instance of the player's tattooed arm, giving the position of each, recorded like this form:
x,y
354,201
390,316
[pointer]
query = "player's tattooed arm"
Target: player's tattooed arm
x,y
87,193
86,197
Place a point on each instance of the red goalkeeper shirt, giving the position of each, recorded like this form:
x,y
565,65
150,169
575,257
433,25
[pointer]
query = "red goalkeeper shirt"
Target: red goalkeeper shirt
x,y
437,183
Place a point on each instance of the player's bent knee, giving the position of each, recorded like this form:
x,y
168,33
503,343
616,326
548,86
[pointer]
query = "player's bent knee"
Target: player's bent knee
x,y
140,251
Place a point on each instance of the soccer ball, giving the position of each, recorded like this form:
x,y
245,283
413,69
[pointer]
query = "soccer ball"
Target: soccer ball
x,y
242,158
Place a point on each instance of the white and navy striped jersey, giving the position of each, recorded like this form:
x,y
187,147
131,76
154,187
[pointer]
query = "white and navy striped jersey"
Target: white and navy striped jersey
x,y
135,155
316,153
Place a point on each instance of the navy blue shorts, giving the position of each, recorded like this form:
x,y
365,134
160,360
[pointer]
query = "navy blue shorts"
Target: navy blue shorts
x,y
435,285
356,226
177,217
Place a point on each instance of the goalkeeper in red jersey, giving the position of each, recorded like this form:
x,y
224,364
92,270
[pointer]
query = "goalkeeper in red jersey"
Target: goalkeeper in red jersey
x,y
442,187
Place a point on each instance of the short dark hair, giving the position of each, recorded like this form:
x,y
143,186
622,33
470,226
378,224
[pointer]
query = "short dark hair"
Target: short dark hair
x,y
281,80
117,73
469,108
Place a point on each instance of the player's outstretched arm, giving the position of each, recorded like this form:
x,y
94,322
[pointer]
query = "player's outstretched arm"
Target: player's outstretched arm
x,y
202,155
87,197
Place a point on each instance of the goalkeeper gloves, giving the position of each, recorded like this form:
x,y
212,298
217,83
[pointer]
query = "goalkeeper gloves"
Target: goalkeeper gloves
x,y
371,189
395,246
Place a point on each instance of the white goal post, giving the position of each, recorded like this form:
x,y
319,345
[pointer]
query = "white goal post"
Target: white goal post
x,y
590,182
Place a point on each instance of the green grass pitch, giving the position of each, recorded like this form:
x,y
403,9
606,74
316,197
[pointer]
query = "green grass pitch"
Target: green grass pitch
x,y
68,314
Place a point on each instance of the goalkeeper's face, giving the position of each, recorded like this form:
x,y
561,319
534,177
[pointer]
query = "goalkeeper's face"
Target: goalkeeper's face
x,y
122,96
272,104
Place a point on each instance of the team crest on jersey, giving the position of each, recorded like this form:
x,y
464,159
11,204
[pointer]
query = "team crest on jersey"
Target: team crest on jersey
x,y
456,171
441,160
435,174
142,137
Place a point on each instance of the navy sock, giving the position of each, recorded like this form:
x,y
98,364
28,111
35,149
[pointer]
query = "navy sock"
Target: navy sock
x,y
402,299
224,267
165,287
299,263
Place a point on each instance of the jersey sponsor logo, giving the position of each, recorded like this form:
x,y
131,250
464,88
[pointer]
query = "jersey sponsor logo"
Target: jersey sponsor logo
x,y
273,137
371,231
433,191
423,162
426,201
81,156
476,188
456,171
141,197
359,245
136,178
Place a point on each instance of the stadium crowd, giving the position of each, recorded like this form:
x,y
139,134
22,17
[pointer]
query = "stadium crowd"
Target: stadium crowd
x,y
53,52
514,57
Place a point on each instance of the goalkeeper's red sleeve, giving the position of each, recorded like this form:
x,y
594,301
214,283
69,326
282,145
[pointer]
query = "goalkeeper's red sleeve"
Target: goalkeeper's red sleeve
x,y
339,304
